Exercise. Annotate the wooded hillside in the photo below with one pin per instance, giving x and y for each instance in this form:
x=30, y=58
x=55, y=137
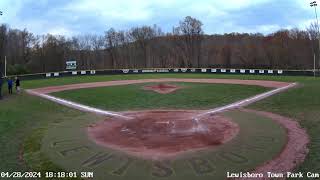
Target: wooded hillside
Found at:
x=149, y=47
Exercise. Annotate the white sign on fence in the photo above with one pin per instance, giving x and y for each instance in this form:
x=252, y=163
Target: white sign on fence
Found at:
x=203, y=70
x=261, y=71
x=242, y=71
x=223, y=70
x=144, y=71
x=213, y=70
x=71, y=65
x=92, y=72
x=184, y=70
x=83, y=72
x=126, y=71
x=232, y=70
x=280, y=71
x=270, y=71
x=48, y=74
x=162, y=70
x=56, y=74
x=74, y=72
x=252, y=71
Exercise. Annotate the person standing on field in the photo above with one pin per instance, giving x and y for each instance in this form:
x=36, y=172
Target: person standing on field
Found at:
x=10, y=84
x=17, y=84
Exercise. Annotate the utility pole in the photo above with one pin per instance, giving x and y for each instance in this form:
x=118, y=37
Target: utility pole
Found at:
x=314, y=4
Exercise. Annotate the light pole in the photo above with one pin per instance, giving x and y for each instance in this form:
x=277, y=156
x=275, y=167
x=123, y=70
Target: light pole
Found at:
x=5, y=59
x=314, y=4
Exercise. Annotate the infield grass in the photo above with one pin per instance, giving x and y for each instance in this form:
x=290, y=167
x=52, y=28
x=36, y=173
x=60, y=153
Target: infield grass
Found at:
x=133, y=97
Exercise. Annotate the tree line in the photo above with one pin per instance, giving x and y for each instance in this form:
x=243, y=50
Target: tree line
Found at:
x=149, y=47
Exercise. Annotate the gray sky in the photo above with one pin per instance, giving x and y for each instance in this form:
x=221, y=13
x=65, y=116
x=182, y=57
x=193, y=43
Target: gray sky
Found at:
x=73, y=17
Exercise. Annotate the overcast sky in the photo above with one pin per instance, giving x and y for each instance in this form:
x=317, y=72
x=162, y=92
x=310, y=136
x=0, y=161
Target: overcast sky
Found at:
x=73, y=17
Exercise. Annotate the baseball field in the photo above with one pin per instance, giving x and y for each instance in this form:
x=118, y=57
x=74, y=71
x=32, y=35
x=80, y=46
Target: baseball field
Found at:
x=161, y=126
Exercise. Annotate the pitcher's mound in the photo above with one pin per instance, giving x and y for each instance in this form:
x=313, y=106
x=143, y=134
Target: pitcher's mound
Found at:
x=162, y=134
x=162, y=88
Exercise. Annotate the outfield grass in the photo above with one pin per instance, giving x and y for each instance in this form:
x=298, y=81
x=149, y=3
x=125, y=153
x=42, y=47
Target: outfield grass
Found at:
x=20, y=114
x=133, y=97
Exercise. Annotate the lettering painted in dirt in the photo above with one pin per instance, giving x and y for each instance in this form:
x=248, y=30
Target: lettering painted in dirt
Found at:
x=158, y=169
x=72, y=148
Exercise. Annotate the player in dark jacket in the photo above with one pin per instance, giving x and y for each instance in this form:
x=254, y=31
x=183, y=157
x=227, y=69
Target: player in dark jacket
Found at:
x=17, y=84
x=10, y=85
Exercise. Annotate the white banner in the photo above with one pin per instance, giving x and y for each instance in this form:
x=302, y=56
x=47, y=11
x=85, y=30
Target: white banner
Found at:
x=148, y=71
x=162, y=70
x=126, y=71
x=184, y=69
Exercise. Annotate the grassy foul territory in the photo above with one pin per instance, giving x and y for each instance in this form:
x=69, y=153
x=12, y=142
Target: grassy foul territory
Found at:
x=247, y=101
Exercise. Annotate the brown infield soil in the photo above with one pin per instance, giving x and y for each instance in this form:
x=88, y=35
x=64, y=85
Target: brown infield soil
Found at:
x=166, y=134
x=162, y=134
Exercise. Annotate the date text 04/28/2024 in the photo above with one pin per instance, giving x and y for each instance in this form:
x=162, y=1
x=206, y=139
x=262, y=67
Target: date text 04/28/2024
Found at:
x=18, y=174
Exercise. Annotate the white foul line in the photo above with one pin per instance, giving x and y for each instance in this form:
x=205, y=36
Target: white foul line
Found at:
x=213, y=111
x=246, y=102
x=76, y=105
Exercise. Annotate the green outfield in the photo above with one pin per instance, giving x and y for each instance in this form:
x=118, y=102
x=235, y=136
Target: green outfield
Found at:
x=33, y=129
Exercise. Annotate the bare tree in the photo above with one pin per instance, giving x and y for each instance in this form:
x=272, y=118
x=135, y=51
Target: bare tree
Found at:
x=148, y=46
x=142, y=36
x=191, y=31
x=112, y=42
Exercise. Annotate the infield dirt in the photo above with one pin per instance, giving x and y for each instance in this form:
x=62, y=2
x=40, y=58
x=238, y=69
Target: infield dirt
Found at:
x=162, y=134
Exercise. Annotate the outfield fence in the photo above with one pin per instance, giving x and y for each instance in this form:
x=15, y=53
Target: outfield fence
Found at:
x=271, y=72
